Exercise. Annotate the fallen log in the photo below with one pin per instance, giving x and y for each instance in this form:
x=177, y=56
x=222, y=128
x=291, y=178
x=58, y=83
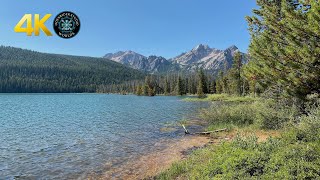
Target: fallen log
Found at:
x=202, y=133
x=209, y=132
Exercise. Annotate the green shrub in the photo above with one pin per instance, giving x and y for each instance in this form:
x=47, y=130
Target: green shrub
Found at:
x=294, y=161
x=229, y=114
x=295, y=155
x=271, y=115
x=308, y=129
x=224, y=98
x=264, y=114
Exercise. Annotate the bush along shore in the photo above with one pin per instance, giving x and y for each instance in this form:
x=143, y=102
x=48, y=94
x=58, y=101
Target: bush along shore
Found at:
x=276, y=91
x=293, y=152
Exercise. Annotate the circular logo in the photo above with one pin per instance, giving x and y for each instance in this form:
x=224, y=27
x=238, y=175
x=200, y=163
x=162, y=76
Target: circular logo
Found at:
x=66, y=24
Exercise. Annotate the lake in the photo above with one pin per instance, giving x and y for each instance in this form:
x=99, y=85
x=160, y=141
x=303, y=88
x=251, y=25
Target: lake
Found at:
x=63, y=136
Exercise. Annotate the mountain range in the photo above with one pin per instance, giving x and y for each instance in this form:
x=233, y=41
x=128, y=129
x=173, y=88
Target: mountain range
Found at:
x=201, y=56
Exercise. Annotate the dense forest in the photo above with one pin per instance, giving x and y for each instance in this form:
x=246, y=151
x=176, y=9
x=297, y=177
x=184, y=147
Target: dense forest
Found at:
x=24, y=71
x=168, y=84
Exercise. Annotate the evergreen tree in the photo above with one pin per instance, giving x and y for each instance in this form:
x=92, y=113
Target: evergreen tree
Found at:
x=285, y=46
x=179, y=87
x=200, y=92
x=203, y=81
x=150, y=87
x=219, y=83
x=139, y=91
x=225, y=84
x=235, y=74
x=245, y=86
x=213, y=87
x=145, y=90
x=151, y=91
x=166, y=86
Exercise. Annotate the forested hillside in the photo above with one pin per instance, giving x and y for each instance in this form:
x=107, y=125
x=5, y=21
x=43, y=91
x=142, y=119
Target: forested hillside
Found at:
x=24, y=71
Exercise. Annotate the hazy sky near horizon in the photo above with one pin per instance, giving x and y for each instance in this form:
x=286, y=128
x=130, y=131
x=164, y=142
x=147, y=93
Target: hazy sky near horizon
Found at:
x=149, y=27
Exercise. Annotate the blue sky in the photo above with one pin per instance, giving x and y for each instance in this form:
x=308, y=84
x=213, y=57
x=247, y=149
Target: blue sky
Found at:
x=149, y=27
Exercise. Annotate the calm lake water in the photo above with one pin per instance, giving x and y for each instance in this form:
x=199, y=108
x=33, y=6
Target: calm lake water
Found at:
x=63, y=136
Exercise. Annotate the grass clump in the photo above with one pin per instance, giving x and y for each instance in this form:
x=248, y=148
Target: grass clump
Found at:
x=261, y=114
x=224, y=98
x=230, y=98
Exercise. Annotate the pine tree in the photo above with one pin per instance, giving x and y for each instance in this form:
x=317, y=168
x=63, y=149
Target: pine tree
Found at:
x=150, y=86
x=225, y=84
x=203, y=80
x=151, y=91
x=235, y=74
x=219, y=84
x=166, y=86
x=285, y=46
x=213, y=87
x=200, y=92
x=139, y=90
x=179, y=87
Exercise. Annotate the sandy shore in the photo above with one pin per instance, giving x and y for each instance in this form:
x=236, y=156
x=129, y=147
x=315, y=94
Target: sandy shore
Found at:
x=151, y=164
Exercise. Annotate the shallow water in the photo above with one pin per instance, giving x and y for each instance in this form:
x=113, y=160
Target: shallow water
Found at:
x=63, y=136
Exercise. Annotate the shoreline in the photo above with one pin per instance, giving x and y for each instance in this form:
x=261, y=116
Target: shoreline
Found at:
x=153, y=163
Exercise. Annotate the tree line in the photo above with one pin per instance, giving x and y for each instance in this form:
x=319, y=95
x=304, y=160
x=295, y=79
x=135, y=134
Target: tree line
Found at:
x=24, y=71
x=200, y=83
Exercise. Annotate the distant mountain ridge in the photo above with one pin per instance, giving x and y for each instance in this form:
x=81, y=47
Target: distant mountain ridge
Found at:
x=140, y=62
x=201, y=56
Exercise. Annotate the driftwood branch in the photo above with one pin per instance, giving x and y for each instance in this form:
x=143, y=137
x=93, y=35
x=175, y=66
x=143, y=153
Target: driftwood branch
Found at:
x=209, y=132
x=185, y=130
x=202, y=133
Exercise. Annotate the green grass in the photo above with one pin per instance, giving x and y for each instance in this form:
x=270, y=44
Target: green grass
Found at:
x=223, y=97
x=293, y=155
x=262, y=114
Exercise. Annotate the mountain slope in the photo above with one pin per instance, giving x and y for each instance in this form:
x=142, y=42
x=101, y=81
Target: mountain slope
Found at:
x=29, y=71
x=201, y=56
x=199, y=52
x=129, y=58
x=204, y=57
x=137, y=61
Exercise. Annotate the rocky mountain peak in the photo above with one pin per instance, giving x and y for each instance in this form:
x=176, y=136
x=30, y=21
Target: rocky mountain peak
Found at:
x=201, y=56
x=233, y=48
x=201, y=47
x=131, y=52
x=125, y=57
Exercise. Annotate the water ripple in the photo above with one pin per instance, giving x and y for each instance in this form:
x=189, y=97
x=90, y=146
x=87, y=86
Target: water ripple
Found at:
x=62, y=136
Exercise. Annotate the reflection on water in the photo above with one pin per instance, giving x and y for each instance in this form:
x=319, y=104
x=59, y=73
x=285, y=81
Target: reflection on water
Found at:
x=62, y=136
